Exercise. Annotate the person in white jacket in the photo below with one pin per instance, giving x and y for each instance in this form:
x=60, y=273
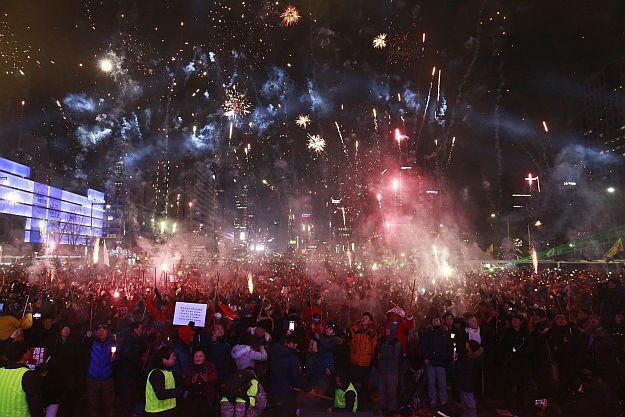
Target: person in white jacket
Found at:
x=245, y=355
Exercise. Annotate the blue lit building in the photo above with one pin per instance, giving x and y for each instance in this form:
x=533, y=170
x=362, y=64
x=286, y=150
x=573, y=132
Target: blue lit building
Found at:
x=51, y=214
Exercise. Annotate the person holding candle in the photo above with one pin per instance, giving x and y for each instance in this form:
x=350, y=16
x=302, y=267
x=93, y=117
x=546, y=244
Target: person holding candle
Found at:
x=100, y=386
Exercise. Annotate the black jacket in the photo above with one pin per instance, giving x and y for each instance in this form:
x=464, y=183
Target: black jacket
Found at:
x=285, y=373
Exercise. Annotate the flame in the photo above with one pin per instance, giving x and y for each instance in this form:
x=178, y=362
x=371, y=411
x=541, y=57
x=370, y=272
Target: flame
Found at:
x=250, y=283
x=535, y=260
x=96, y=251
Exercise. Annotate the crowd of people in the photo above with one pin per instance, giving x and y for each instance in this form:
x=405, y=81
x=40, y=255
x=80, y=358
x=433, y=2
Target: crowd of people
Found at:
x=513, y=342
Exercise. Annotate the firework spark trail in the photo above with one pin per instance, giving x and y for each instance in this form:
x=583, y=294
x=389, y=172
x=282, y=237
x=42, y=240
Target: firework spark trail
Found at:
x=375, y=119
x=341, y=136
x=425, y=111
x=467, y=74
x=451, y=151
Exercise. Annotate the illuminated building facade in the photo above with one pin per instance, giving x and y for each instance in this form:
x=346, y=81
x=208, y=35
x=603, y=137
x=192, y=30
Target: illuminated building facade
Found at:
x=51, y=214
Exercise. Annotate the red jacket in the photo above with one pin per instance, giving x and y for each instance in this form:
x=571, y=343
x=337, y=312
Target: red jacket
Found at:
x=403, y=327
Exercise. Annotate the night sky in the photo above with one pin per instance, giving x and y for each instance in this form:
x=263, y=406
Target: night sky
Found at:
x=505, y=67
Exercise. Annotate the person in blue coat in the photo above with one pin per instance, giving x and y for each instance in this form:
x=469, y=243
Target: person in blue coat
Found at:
x=286, y=376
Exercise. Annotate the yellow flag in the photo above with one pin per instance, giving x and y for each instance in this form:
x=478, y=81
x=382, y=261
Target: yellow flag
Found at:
x=616, y=248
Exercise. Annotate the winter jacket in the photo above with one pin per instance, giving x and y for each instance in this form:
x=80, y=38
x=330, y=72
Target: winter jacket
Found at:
x=205, y=376
x=219, y=355
x=401, y=331
x=245, y=357
x=466, y=369
x=362, y=346
x=100, y=365
x=9, y=324
x=389, y=352
x=285, y=373
x=436, y=347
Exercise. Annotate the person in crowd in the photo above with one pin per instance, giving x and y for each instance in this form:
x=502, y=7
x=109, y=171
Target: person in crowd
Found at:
x=100, y=385
x=61, y=385
x=286, y=376
x=200, y=379
x=465, y=372
x=323, y=362
x=345, y=394
x=514, y=349
x=248, y=351
x=243, y=396
x=128, y=372
x=43, y=332
x=9, y=324
x=160, y=388
x=219, y=352
x=20, y=388
x=388, y=360
x=437, y=351
x=363, y=340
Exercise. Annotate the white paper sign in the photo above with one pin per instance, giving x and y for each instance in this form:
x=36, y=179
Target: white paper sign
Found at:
x=186, y=312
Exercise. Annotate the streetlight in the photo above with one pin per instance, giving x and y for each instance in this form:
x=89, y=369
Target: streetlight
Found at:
x=493, y=215
x=611, y=190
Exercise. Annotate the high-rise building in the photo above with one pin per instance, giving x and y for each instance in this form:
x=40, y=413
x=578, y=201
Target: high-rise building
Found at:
x=241, y=212
x=604, y=108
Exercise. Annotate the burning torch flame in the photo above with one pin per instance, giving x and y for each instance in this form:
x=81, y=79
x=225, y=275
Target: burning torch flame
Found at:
x=250, y=283
x=535, y=260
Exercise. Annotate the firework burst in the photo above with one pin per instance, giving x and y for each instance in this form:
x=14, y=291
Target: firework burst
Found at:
x=290, y=16
x=379, y=42
x=303, y=120
x=236, y=104
x=316, y=143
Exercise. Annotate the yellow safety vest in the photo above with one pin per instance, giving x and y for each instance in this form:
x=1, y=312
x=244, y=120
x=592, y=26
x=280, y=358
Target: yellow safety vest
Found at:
x=152, y=403
x=252, y=392
x=339, y=397
x=12, y=396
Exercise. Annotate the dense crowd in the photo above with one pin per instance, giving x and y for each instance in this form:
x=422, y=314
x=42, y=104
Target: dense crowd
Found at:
x=551, y=343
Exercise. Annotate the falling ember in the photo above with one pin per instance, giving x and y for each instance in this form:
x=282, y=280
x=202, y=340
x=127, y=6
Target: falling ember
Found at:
x=545, y=127
x=423, y=37
x=116, y=294
x=379, y=42
x=535, y=260
x=230, y=132
x=194, y=130
x=316, y=143
x=433, y=71
x=303, y=120
x=398, y=96
x=290, y=16
x=250, y=283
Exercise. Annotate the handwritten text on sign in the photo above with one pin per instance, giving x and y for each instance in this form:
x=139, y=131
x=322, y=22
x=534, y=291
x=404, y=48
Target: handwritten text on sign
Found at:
x=186, y=312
